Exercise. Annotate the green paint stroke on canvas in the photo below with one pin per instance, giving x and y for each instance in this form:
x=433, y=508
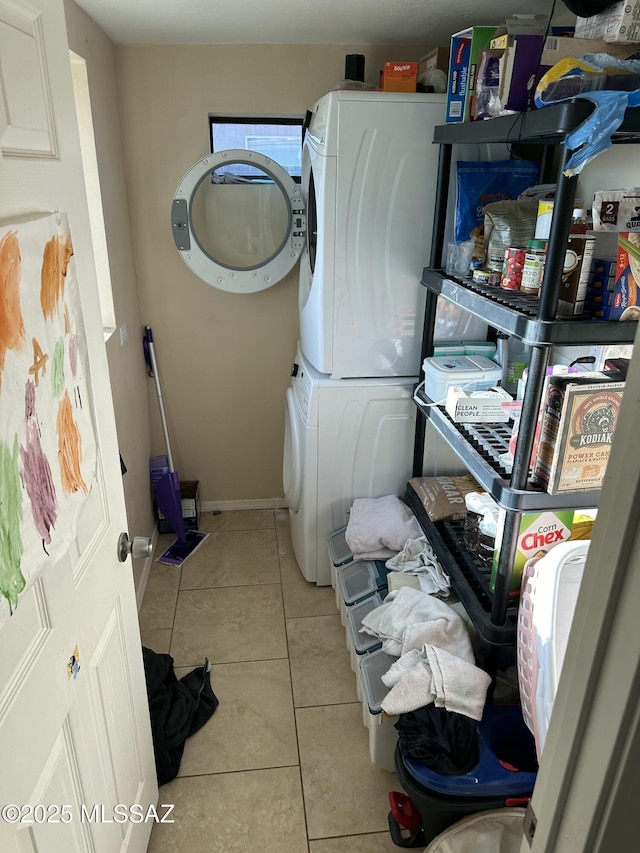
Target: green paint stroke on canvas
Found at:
x=57, y=371
x=11, y=548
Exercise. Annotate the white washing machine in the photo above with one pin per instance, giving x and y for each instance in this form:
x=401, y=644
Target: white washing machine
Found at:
x=346, y=439
x=369, y=171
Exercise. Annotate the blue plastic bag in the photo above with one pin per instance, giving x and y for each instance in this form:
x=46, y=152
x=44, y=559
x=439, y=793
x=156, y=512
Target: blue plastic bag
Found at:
x=480, y=184
x=594, y=134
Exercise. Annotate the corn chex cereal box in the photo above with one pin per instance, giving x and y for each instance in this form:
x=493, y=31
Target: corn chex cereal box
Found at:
x=538, y=533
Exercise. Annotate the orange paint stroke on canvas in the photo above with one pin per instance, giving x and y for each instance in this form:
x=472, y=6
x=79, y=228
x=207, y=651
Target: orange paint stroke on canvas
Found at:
x=55, y=260
x=69, y=448
x=12, y=331
x=40, y=359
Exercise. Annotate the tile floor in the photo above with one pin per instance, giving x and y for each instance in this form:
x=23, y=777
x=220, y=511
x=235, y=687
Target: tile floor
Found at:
x=283, y=765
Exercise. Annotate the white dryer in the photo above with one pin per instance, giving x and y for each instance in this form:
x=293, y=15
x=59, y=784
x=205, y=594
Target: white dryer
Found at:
x=345, y=439
x=369, y=171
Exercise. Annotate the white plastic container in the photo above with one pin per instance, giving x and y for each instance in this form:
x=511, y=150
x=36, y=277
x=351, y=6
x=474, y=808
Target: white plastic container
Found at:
x=356, y=581
x=339, y=552
x=470, y=372
x=383, y=736
x=358, y=641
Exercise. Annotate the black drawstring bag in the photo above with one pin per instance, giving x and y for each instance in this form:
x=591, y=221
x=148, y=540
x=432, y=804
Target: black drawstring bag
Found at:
x=177, y=708
x=443, y=740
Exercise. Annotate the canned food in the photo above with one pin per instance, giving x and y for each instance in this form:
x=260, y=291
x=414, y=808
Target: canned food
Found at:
x=486, y=277
x=512, y=268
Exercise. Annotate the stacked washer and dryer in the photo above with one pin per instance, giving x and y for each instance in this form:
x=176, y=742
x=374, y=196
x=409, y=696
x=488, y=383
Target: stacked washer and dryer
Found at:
x=369, y=172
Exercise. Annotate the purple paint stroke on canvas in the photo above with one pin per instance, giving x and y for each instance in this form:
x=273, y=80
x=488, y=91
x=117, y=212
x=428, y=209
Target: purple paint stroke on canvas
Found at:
x=36, y=474
x=73, y=354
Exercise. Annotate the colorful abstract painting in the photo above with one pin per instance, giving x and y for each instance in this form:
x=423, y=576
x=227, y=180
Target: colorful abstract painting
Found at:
x=47, y=439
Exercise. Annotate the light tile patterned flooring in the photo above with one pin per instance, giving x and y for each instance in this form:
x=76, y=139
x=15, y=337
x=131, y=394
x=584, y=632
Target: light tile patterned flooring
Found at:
x=283, y=765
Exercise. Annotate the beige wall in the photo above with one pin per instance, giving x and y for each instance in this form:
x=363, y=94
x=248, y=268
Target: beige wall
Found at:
x=126, y=363
x=224, y=359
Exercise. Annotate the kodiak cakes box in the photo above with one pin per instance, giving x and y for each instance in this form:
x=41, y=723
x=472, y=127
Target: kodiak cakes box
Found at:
x=578, y=423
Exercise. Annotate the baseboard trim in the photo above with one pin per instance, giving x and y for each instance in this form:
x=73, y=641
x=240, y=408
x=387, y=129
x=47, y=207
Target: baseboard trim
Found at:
x=146, y=571
x=257, y=503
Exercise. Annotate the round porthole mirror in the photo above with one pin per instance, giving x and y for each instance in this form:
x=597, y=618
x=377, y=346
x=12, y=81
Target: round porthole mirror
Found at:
x=238, y=221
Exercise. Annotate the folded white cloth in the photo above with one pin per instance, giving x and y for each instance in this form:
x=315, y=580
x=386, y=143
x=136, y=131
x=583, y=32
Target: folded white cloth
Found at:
x=422, y=618
x=430, y=674
x=418, y=558
x=376, y=523
x=459, y=686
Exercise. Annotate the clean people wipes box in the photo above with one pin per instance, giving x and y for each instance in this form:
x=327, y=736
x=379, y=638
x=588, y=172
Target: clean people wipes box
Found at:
x=477, y=406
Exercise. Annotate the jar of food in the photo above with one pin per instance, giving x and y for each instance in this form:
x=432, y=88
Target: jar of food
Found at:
x=533, y=268
x=512, y=268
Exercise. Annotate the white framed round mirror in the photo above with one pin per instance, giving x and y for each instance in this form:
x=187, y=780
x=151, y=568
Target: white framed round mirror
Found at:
x=238, y=221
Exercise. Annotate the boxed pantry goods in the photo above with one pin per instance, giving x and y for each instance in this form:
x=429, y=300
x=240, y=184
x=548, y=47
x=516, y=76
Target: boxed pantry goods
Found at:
x=399, y=77
x=624, y=300
x=537, y=534
x=473, y=407
x=617, y=209
x=619, y=22
x=464, y=56
x=578, y=422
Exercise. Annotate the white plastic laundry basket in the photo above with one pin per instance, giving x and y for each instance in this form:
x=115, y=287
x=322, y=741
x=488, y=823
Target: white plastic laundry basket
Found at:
x=550, y=586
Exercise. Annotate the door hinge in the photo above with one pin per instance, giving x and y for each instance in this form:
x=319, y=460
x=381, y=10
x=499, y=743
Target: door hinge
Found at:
x=530, y=823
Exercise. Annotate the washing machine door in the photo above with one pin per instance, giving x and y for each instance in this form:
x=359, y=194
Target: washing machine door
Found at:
x=239, y=229
x=292, y=458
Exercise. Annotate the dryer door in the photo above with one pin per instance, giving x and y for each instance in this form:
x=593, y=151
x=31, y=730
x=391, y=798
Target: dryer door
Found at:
x=238, y=221
x=292, y=459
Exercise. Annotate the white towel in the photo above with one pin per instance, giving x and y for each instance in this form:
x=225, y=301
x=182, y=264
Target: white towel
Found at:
x=459, y=686
x=377, y=523
x=421, y=677
x=423, y=618
x=418, y=558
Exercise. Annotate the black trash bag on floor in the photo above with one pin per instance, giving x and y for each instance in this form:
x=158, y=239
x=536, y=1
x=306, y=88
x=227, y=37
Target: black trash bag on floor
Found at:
x=177, y=708
x=443, y=740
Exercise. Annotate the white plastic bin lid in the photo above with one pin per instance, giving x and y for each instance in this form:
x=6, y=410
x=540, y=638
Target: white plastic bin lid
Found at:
x=372, y=668
x=339, y=551
x=462, y=366
x=362, y=642
x=358, y=580
x=547, y=604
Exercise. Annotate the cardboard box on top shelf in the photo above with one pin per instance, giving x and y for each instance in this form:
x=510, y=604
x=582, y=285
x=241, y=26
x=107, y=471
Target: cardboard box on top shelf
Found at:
x=519, y=71
x=557, y=48
x=619, y=23
x=438, y=57
x=464, y=55
x=399, y=77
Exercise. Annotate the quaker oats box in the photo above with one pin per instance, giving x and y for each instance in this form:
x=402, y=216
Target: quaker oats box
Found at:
x=578, y=425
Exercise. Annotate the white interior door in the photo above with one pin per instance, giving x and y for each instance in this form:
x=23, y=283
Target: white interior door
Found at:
x=67, y=741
